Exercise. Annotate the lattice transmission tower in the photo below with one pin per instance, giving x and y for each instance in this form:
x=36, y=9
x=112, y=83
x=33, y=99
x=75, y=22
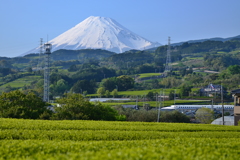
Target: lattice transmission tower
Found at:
x=39, y=67
x=168, y=65
x=47, y=47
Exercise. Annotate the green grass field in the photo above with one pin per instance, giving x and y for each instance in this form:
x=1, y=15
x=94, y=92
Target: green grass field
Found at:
x=154, y=103
x=144, y=75
x=139, y=93
x=143, y=93
x=20, y=82
x=42, y=139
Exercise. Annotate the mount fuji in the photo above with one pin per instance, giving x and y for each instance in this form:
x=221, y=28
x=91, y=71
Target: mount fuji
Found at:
x=99, y=33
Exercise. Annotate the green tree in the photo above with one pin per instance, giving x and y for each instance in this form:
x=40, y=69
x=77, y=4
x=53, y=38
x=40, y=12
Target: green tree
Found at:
x=115, y=93
x=75, y=106
x=174, y=116
x=185, y=90
x=107, y=93
x=125, y=82
x=60, y=87
x=29, y=69
x=137, y=115
x=84, y=85
x=155, y=84
x=170, y=82
x=235, y=69
x=16, y=104
x=150, y=95
x=101, y=91
x=171, y=95
x=109, y=83
x=85, y=93
x=5, y=64
x=204, y=115
x=8, y=88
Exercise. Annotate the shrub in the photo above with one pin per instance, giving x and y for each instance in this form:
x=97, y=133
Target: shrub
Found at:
x=75, y=106
x=16, y=104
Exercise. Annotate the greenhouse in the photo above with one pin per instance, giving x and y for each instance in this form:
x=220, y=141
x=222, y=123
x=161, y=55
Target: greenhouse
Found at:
x=228, y=120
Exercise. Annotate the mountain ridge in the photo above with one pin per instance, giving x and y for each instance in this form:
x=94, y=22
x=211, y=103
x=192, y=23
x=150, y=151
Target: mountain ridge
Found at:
x=207, y=39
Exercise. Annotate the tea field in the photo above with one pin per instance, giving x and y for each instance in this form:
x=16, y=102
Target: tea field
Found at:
x=41, y=139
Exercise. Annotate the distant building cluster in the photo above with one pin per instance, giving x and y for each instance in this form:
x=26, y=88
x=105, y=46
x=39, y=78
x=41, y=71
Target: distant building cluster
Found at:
x=211, y=90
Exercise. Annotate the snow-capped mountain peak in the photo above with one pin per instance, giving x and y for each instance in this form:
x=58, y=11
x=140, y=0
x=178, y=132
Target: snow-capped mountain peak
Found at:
x=99, y=33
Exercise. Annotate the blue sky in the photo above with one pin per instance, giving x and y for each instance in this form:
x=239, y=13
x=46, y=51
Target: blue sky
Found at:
x=24, y=22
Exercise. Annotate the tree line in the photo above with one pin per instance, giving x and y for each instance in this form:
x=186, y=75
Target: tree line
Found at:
x=16, y=104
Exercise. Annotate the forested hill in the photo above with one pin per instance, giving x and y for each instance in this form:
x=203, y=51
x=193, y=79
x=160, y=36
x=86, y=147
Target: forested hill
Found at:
x=221, y=53
x=211, y=39
x=88, y=70
x=208, y=46
x=226, y=53
x=81, y=55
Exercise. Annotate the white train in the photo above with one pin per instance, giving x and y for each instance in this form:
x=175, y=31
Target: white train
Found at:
x=195, y=107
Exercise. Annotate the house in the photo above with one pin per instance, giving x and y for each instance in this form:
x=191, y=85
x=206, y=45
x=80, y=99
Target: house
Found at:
x=236, y=96
x=211, y=90
x=130, y=106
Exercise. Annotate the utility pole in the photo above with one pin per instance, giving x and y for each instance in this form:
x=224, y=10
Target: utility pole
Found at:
x=159, y=108
x=47, y=47
x=222, y=105
x=137, y=102
x=163, y=98
x=212, y=104
x=174, y=96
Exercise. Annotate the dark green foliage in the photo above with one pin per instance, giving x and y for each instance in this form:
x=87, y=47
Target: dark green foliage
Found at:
x=151, y=95
x=174, y=116
x=207, y=46
x=194, y=78
x=83, y=55
x=60, y=87
x=6, y=71
x=125, y=82
x=137, y=115
x=84, y=85
x=170, y=82
x=219, y=62
x=109, y=83
x=91, y=65
x=146, y=68
x=121, y=83
x=65, y=64
x=151, y=115
x=155, y=84
x=29, y=69
x=185, y=90
x=171, y=95
x=55, y=77
x=5, y=64
x=130, y=58
x=15, y=104
x=235, y=69
x=94, y=74
x=75, y=106
x=161, y=53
